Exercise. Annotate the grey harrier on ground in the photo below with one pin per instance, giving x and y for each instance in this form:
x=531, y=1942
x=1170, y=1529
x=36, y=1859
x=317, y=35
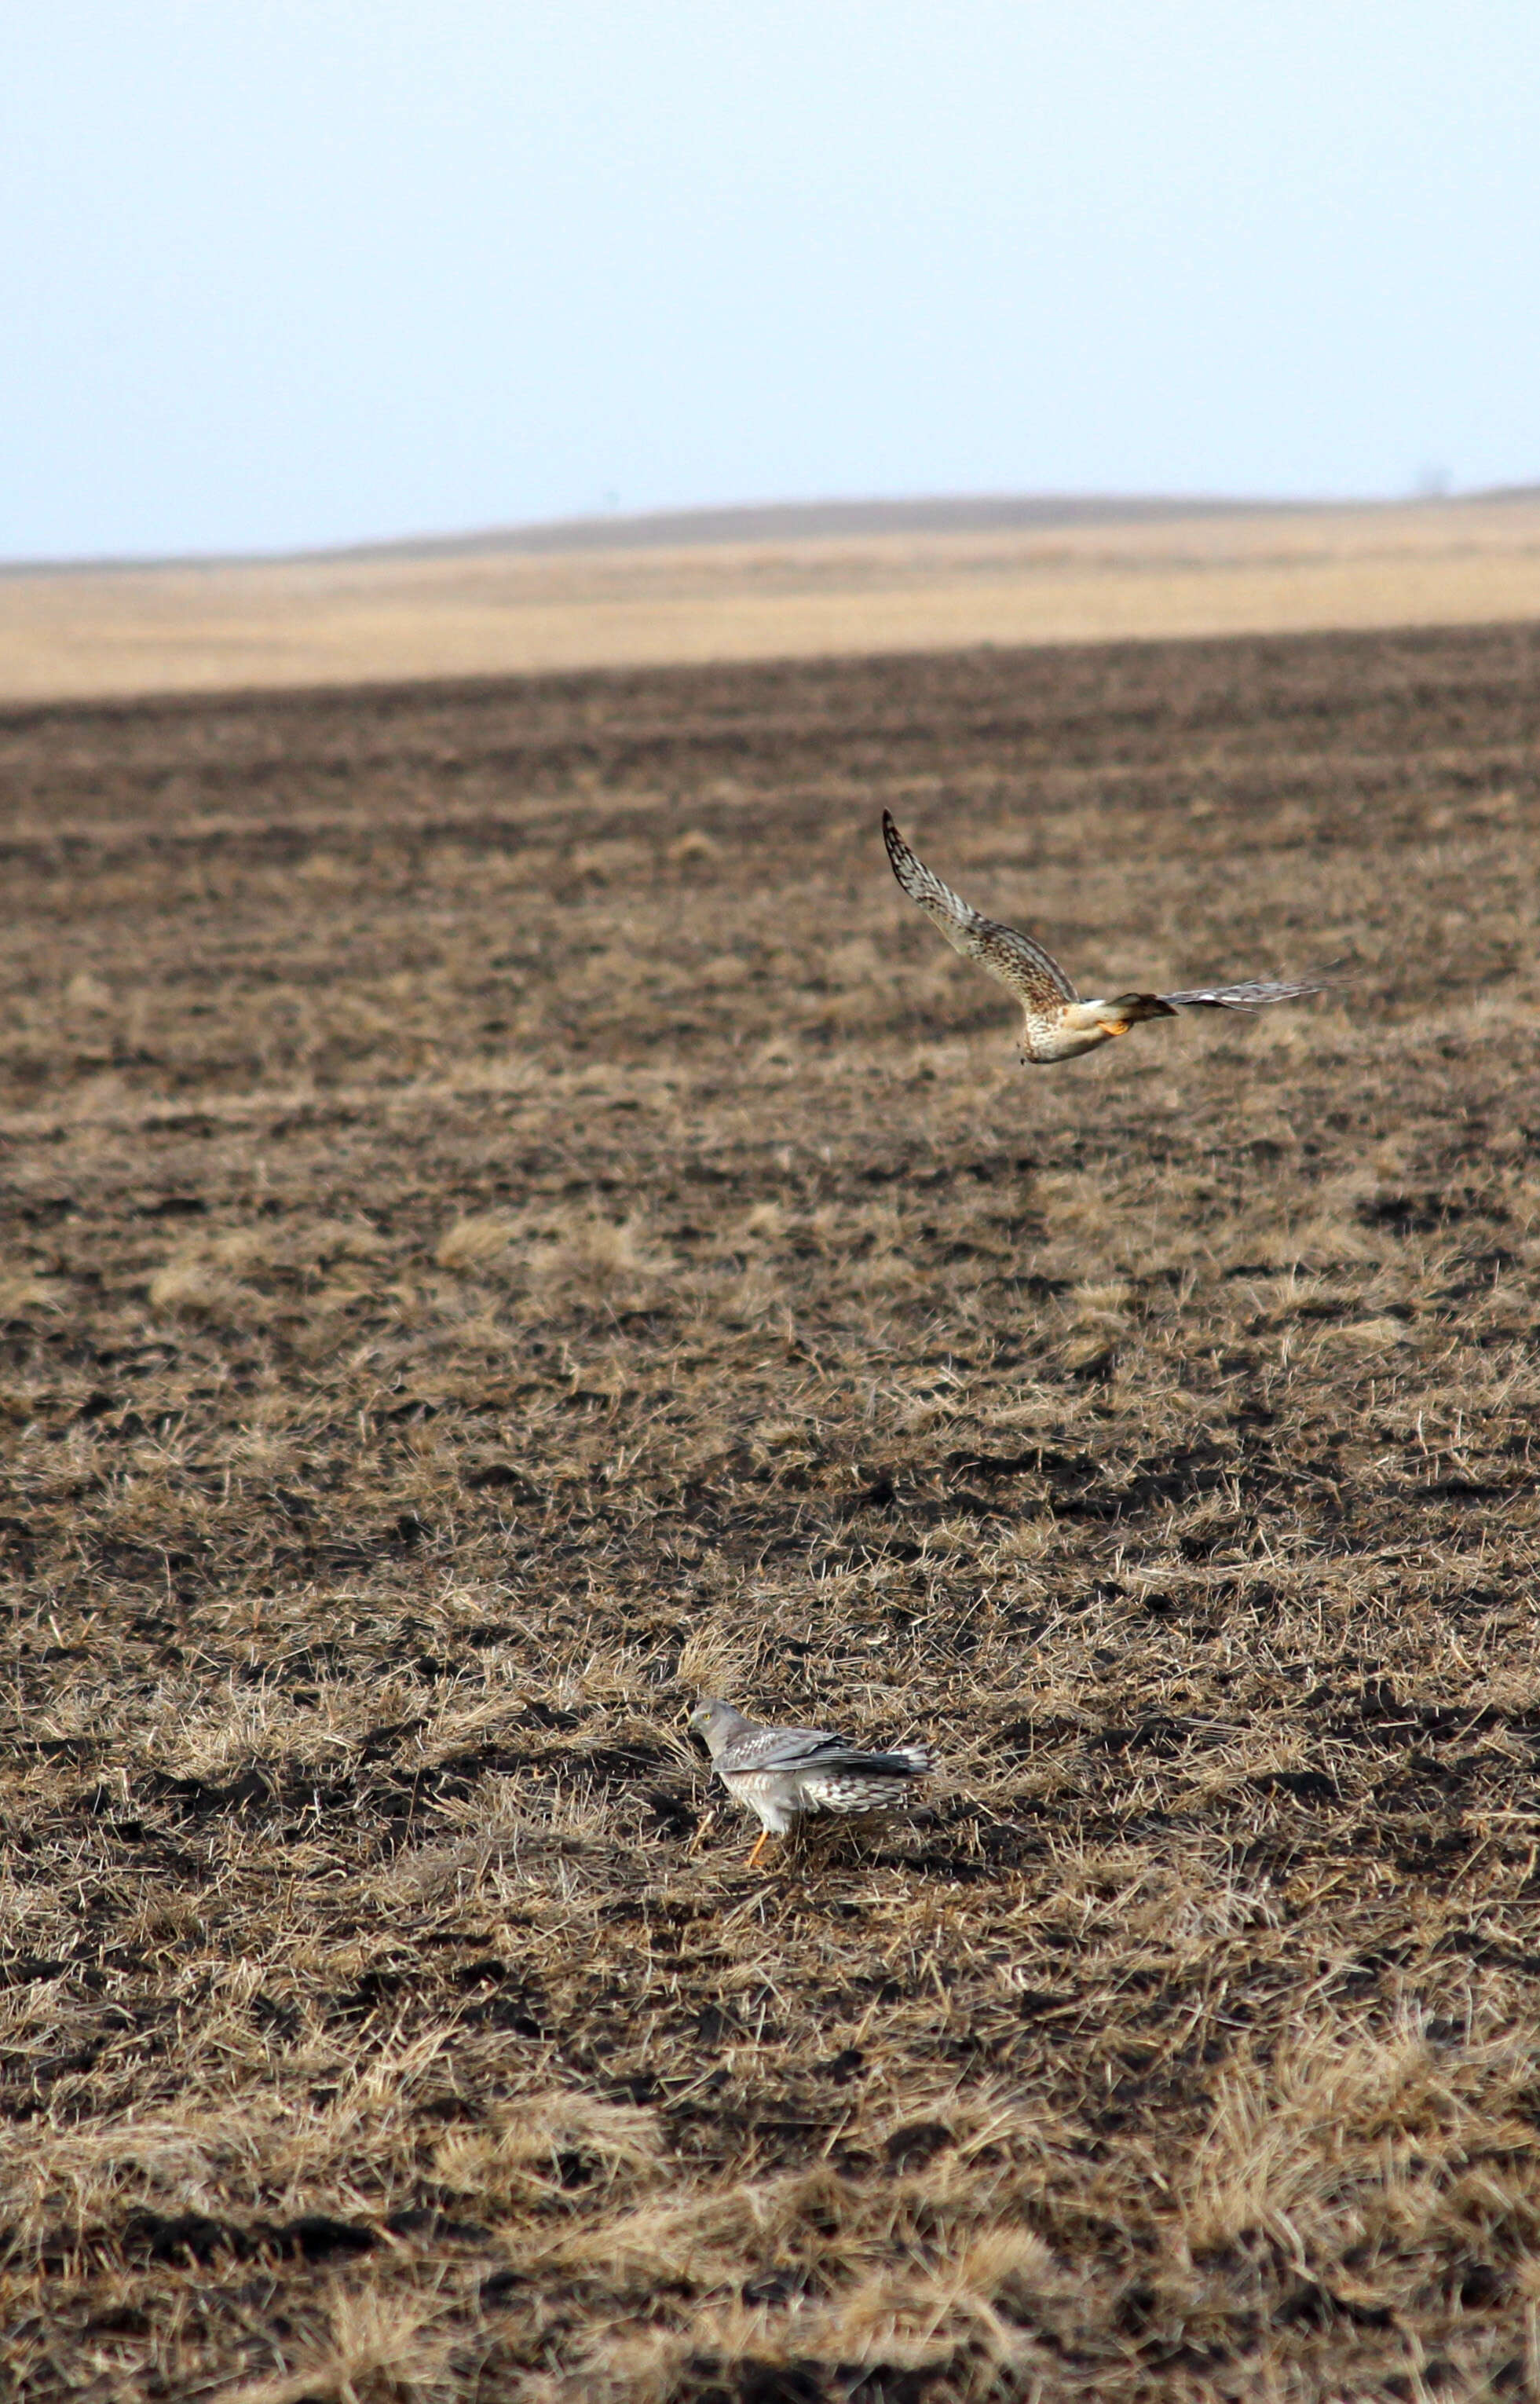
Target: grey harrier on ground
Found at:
x=781, y=1772
x=1055, y=1023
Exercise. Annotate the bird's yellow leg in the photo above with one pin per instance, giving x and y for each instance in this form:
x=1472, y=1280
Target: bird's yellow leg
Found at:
x=760, y=1844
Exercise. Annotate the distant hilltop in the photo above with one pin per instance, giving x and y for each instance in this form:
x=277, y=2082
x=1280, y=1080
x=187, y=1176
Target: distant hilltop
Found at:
x=810, y=520
x=758, y=522
x=791, y=522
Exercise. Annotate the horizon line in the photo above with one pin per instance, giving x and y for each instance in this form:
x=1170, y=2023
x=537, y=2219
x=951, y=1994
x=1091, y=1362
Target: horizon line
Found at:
x=710, y=522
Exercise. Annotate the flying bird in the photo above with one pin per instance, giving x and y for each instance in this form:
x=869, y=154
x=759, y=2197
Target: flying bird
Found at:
x=781, y=1772
x=1056, y=1024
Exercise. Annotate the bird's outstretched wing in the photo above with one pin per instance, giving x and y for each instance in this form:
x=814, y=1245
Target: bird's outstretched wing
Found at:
x=1252, y=993
x=1035, y=978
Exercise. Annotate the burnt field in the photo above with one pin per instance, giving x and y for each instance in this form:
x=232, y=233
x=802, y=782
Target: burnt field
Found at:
x=512, y=1223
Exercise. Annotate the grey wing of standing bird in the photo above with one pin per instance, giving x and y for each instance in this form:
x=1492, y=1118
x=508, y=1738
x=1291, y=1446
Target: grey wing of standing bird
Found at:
x=781, y=1773
x=1056, y=1025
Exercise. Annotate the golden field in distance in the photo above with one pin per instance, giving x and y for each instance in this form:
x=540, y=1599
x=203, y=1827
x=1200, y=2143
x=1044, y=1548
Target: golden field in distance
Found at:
x=907, y=578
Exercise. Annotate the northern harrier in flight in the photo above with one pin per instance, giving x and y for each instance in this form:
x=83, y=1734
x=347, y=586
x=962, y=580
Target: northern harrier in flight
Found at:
x=1056, y=1024
x=781, y=1772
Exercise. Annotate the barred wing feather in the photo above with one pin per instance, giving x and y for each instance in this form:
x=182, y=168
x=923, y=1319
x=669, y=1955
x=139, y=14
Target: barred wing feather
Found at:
x=1029, y=971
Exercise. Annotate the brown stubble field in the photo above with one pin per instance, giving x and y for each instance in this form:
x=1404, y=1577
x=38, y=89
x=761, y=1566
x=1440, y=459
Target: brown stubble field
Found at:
x=512, y=1223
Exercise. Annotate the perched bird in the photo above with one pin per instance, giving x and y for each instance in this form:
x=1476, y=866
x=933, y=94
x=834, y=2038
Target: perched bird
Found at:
x=781, y=1772
x=1056, y=1024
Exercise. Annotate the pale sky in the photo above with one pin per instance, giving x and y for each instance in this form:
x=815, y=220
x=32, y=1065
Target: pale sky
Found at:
x=289, y=272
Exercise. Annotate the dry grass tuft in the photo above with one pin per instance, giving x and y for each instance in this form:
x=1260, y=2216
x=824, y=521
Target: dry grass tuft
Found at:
x=596, y=1257
x=368, y=2349
x=475, y=1242
x=21, y=1294
x=189, y=1286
